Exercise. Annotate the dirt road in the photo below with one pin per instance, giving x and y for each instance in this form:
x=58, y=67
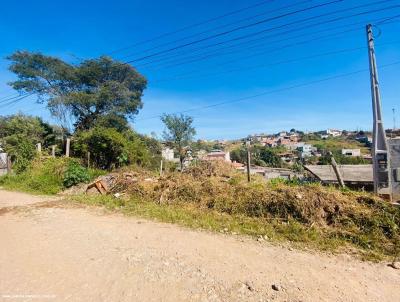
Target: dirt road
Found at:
x=61, y=253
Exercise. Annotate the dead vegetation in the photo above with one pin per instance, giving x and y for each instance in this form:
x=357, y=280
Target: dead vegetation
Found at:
x=357, y=218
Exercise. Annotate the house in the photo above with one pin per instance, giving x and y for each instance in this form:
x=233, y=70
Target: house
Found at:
x=351, y=152
x=288, y=157
x=305, y=150
x=334, y=132
x=167, y=153
x=237, y=165
x=218, y=155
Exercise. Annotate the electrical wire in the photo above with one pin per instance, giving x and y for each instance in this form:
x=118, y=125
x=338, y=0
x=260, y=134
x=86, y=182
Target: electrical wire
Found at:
x=216, y=28
x=191, y=26
x=272, y=91
x=346, y=50
x=279, y=34
x=236, y=29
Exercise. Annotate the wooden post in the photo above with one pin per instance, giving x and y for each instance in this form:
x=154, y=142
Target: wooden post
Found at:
x=68, y=144
x=161, y=167
x=337, y=171
x=53, y=150
x=8, y=164
x=39, y=148
x=248, y=160
x=88, y=159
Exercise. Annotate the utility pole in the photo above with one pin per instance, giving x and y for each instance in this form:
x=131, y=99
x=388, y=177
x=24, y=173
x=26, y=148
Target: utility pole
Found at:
x=380, y=150
x=394, y=119
x=248, y=159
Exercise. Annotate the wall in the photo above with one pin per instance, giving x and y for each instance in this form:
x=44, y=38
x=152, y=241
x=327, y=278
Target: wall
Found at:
x=394, y=145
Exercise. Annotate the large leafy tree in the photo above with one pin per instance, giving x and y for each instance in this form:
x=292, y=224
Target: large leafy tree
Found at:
x=95, y=91
x=179, y=132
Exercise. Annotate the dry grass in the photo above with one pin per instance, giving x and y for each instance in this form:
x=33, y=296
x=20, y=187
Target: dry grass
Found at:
x=312, y=214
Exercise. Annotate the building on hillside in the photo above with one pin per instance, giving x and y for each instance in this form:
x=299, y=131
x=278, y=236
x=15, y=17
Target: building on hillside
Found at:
x=282, y=134
x=288, y=157
x=306, y=150
x=237, y=165
x=201, y=154
x=218, y=155
x=270, y=142
x=351, y=152
x=334, y=132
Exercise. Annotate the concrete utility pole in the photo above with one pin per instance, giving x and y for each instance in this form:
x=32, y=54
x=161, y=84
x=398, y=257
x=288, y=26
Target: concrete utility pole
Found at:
x=394, y=119
x=380, y=150
x=248, y=159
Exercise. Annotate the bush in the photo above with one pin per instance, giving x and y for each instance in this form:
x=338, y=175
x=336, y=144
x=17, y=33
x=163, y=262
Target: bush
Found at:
x=48, y=176
x=18, y=136
x=111, y=149
x=75, y=174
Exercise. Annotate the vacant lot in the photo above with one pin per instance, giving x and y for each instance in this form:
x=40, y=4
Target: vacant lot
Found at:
x=56, y=252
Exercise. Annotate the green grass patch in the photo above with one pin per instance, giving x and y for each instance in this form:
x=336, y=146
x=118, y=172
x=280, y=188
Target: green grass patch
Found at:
x=48, y=176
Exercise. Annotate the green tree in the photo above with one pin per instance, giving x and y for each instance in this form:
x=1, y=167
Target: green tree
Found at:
x=110, y=148
x=97, y=90
x=179, y=132
x=18, y=136
x=270, y=157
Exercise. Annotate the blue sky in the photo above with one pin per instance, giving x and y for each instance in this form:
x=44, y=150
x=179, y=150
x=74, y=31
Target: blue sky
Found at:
x=73, y=30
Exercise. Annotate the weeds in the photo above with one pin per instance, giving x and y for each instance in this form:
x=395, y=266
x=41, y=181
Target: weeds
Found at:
x=48, y=176
x=306, y=214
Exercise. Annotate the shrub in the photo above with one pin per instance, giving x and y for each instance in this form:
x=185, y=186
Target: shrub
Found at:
x=18, y=135
x=111, y=149
x=49, y=176
x=75, y=174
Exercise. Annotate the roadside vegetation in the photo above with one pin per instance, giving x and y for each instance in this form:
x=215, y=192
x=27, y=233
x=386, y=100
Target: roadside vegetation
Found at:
x=49, y=176
x=101, y=95
x=214, y=197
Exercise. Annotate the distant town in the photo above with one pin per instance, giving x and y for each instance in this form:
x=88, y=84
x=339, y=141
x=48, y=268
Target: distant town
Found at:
x=286, y=154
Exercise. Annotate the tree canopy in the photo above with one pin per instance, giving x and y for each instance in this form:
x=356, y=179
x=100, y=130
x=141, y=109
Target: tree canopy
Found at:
x=179, y=132
x=18, y=135
x=95, y=91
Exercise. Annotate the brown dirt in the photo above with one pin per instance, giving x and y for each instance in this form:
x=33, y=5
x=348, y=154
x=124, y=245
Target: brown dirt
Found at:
x=80, y=254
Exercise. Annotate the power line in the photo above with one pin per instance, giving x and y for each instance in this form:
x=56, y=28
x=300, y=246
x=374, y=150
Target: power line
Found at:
x=282, y=26
x=272, y=91
x=11, y=97
x=192, y=26
x=273, y=64
x=216, y=28
x=236, y=29
x=276, y=49
x=16, y=100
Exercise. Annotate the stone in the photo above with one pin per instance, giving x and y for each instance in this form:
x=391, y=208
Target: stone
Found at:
x=276, y=287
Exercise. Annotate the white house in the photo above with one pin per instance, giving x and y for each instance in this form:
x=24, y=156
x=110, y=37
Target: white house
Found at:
x=351, y=152
x=167, y=153
x=334, y=132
